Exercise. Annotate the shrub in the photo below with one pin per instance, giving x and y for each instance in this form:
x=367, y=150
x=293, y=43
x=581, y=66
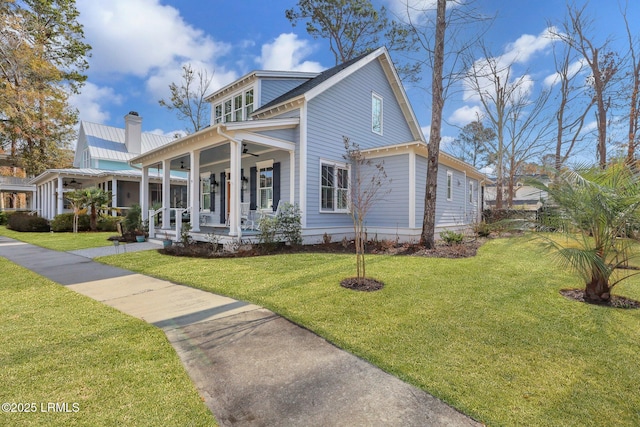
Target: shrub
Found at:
x=108, y=223
x=482, y=229
x=25, y=222
x=288, y=223
x=3, y=218
x=451, y=237
x=268, y=228
x=64, y=223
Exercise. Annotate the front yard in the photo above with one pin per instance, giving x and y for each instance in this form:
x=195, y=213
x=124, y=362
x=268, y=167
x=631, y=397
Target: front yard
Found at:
x=100, y=366
x=490, y=335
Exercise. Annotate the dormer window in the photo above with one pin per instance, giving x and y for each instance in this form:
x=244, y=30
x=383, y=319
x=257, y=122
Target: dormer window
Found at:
x=236, y=108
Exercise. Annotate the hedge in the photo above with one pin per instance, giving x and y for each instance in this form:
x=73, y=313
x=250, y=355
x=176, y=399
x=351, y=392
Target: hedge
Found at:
x=64, y=222
x=25, y=222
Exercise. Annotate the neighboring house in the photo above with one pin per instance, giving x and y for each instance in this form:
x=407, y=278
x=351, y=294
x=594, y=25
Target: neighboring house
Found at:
x=526, y=196
x=278, y=137
x=15, y=191
x=102, y=160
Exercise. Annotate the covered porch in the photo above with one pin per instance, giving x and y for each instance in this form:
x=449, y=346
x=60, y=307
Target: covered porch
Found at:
x=234, y=175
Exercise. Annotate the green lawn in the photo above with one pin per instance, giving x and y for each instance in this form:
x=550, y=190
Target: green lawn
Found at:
x=490, y=335
x=58, y=346
x=62, y=241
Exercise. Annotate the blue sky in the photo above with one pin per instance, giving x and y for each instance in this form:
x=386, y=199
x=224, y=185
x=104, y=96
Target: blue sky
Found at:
x=139, y=47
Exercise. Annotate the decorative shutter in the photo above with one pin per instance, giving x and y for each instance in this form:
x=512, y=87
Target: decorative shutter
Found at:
x=276, y=185
x=241, y=191
x=253, y=188
x=212, y=192
x=223, y=187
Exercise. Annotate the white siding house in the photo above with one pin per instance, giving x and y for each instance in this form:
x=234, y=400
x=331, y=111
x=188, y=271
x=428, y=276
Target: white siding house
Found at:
x=102, y=160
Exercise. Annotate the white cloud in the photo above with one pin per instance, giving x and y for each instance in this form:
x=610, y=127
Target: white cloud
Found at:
x=574, y=68
x=134, y=37
x=286, y=53
x=465, y=115
x=91, y=101
x=159, y=81
x=526, y=46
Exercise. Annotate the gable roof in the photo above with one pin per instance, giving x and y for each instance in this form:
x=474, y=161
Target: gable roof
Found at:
x=108, y=142
x=332, y=76
x=308, y=85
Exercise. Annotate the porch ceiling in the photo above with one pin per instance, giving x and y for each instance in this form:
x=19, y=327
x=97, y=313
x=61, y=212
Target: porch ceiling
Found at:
x=214, y=136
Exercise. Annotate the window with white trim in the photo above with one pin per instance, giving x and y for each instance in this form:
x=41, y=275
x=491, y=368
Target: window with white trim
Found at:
x=376, y=114
x=470, y=191
x=334, y=187
x=265, y=185
x=205, y=192
x=236, y=108
x=449, y=185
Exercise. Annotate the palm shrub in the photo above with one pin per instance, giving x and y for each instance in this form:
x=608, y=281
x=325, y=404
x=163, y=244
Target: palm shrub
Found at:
x=95, y=199
x=596, y=209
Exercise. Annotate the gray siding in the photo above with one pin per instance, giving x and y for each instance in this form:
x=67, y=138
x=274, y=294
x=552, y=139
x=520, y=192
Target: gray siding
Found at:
x=391, y=207
x=449, y=213
x=345, y=110
x=273, y=88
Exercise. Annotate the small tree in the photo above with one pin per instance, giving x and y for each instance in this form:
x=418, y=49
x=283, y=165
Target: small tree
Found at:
x=188, y=98
x=76, y=199
x=367, y=179
x=94, y=199
x=597, y=209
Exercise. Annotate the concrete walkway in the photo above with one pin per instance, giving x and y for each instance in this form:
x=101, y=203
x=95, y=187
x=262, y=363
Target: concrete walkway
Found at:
x=252, y=367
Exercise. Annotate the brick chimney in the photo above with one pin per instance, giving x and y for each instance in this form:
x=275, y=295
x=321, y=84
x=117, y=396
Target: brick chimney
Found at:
x=133, y=132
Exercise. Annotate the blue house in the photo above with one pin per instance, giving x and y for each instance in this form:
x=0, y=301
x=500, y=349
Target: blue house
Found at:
x=278, y=137
x=102, y=160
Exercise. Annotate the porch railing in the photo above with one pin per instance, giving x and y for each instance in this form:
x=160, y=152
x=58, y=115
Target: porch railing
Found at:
x=153, y=213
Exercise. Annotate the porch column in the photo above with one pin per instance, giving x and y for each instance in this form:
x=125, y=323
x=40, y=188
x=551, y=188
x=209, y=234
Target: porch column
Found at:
x=114, y=196
x=234, y=181
x=292, y=177
x=50, y=200
x=166, y=193
x=60, y=196
x=144, y=193
x=194, y=181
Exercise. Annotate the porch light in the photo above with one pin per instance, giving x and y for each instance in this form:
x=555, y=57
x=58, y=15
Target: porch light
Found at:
x=214, y=183
x=245, y=180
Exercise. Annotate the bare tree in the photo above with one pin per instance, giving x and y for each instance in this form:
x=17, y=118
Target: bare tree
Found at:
x=577, y=32
x=443, y=43
x=514, y=114
x=634, y=91
x=188, y=99
x=572, y=109
x=367, y=179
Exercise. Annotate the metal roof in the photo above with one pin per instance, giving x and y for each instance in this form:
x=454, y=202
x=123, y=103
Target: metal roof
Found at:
x=107, y=142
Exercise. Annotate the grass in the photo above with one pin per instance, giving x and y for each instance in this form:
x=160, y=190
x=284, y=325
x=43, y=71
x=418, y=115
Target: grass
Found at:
x=490, y=335
x=61, y=241
x=58, y=346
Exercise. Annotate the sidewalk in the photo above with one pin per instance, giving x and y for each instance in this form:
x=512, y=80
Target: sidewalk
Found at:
x=251, y=366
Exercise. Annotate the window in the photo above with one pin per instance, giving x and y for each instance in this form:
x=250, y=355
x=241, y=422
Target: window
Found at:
x=227, y=111
x=334, y=188
x=449, y=185
x=470, y=191
x=217, y=118
x=86, y=159
x=265, y=185
x=205, y=193
x=376, y=114
x=248, y=103
x=237, y=108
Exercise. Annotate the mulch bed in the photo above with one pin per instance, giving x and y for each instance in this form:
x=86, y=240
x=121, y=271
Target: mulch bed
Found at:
x=366, y=284
x=615, y=301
